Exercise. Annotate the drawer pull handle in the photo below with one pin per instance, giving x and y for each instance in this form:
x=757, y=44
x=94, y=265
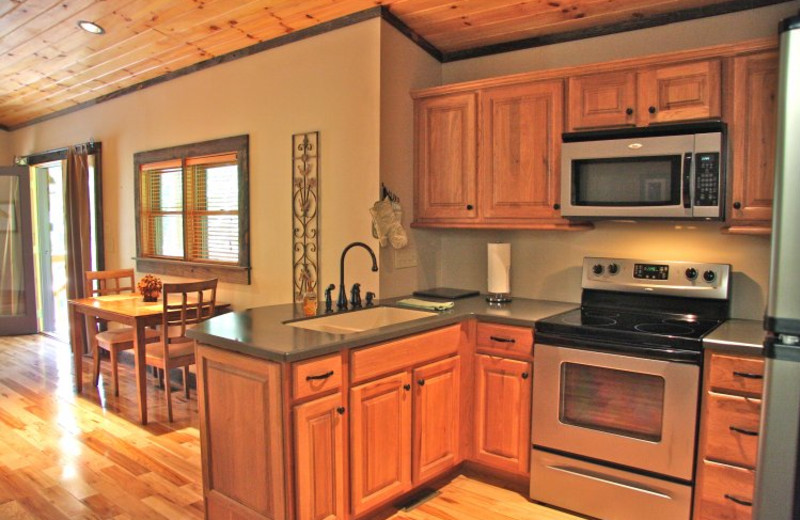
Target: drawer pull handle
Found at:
x=743, y=431
x=748, y=375
x=502, y=340
x=739, y=501
x=326, y=375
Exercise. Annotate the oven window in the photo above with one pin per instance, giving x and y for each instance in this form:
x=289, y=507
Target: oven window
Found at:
x=614, y=401
x=627, y=181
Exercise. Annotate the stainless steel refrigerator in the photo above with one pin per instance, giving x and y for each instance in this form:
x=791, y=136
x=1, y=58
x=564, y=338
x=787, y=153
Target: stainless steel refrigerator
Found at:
x=777, y=495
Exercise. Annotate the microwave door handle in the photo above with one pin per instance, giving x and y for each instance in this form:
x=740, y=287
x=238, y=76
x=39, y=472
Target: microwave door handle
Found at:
x=687, y=180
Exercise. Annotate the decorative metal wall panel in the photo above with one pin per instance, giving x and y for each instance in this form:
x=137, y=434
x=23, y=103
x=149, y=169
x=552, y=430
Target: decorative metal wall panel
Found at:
x=305, y=213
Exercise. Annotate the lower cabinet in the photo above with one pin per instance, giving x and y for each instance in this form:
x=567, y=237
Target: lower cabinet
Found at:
x=502, y=413
x=380, y=440
x=243, y=465
x=320, y=458
x=404, y=430
x=729, y=433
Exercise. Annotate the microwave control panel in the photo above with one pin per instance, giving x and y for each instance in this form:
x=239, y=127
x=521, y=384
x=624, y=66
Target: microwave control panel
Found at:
x=706, y=189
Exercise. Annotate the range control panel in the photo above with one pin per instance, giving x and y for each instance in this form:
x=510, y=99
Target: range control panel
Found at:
x=674, y=278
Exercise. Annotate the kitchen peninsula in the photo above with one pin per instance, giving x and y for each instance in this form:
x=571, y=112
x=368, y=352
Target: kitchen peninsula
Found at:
x=282, y=408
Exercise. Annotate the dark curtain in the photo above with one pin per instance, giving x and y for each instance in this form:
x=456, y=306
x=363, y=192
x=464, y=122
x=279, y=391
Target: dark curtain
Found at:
x=78, y=219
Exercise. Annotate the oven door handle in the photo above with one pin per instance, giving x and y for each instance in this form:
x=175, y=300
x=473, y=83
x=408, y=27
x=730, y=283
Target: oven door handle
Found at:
x=608, y=480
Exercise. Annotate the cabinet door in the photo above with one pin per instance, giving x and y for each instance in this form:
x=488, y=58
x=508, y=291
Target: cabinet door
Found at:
x=679, y=92
x=319, y=458
x=598, y=100
x=521, y=127
x=753, y=135
x=380, y=440
x=243, y=391
x=436, y=418
x=502, y=413
x=446, y=157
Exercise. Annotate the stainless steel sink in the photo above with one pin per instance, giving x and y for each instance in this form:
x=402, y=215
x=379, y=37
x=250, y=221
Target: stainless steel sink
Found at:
x=361, y=320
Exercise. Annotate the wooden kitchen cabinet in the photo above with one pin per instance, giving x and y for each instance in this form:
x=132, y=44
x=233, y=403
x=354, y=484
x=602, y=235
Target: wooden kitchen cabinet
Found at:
x=641, y=97
x=436, y=428
x=320, y=458
x=243, y=466
x=753, y=138
x=446, y=152
x=727, y=454
x=521, y=129
x=502, y=413
x=380, y=440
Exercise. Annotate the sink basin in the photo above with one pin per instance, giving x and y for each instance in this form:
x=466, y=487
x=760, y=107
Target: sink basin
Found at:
x=361, y=320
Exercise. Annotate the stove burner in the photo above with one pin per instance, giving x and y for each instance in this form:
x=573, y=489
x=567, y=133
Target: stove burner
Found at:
x=667, y=327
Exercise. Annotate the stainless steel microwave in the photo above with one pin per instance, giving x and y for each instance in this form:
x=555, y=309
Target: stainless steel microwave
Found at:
x=666, y=172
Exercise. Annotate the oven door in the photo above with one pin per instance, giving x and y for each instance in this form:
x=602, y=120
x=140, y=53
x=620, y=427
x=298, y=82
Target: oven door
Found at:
x=636, y=412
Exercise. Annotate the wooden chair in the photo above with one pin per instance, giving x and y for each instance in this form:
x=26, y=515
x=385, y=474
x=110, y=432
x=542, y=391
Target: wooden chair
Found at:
x=106, y=283
x=184, y=304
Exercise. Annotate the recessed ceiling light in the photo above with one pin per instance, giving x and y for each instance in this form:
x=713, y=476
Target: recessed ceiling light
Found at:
x=91, y=27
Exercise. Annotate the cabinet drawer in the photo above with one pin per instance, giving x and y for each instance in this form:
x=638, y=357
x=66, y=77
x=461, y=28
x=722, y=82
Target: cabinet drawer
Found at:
x=404, y=353
x=725, y=492
x=736, y=375
x=732, y=429
x=316, y=376
x=504, y=338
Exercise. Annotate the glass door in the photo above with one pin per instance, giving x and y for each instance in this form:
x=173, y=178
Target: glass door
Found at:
x=17, y=289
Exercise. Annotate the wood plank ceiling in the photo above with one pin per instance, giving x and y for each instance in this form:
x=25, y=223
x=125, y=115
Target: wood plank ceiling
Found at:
x=48, y=65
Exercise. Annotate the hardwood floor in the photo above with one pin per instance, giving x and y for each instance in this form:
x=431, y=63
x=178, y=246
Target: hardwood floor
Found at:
x=68, y=456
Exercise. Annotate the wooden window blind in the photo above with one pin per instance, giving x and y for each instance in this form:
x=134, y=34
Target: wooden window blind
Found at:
x=193, y=211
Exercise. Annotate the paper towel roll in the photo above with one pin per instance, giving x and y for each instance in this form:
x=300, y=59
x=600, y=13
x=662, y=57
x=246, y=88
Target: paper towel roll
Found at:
x=499, y=274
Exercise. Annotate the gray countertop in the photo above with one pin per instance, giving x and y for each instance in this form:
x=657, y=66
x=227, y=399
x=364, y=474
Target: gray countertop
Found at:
x=737, y=336
x=261, y=331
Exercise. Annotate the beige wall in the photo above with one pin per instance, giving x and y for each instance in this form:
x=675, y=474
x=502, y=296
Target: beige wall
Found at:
x=329, y=83
x=404, y=66
x=547, y=264
x=6, y=155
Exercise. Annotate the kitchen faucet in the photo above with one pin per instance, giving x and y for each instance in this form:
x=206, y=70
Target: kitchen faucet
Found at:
x=341, y=304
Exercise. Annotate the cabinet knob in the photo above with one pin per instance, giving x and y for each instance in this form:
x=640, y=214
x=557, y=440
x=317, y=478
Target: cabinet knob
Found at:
x=556, y=206
x=340, y=410
x=469, y=207
x=406, y=387
x=421, y=382
x=524, y=375
x=737, y=205
x=629, y=111
x=652, y=110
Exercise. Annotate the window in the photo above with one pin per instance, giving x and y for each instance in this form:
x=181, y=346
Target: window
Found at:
x=192, y=210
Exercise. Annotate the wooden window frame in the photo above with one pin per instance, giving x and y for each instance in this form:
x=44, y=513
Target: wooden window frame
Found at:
x=234, y=273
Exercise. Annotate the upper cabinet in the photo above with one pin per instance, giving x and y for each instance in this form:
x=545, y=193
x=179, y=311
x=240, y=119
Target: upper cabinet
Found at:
x=446, y=178
x=521, y=139
x=488, y=152
x=753, y=137
x=515, y=130
x=641, y=97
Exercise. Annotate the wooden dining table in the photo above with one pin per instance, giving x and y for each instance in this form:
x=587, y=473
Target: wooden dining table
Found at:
x=127, y=309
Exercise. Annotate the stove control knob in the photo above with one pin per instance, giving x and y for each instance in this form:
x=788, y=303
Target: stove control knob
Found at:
x=691, y=273
x=709, y=276
x=613, y=268
x=597, y=269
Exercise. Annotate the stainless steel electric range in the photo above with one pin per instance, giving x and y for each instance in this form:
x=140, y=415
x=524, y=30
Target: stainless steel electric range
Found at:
x=617, y=385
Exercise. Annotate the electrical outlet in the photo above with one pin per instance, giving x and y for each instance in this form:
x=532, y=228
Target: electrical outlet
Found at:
x=405, y=257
